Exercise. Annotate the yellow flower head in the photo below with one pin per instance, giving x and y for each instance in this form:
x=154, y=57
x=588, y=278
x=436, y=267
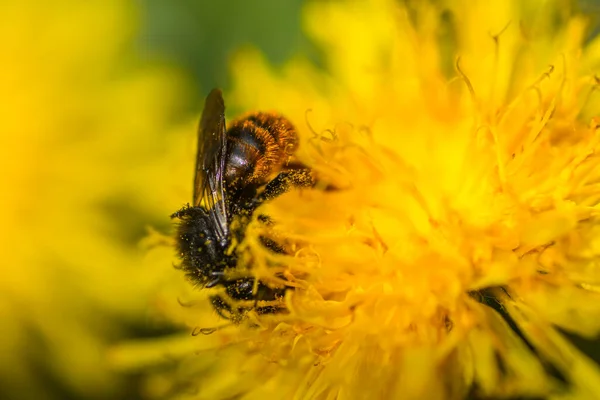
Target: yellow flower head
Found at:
x=461, y=137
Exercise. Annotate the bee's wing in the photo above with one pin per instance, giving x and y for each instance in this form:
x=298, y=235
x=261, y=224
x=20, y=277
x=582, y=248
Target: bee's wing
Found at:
x=210, y=161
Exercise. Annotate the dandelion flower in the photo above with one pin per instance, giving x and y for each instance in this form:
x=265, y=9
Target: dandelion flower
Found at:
x=462, y=137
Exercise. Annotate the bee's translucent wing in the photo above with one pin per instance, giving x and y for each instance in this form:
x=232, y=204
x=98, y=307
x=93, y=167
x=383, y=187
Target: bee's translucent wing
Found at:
x=210, y=162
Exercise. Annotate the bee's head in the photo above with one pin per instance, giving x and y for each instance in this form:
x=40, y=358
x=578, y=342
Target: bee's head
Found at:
x=200, y=246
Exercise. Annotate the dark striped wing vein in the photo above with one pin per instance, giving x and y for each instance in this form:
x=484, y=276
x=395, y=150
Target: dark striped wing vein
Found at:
x=210, y=162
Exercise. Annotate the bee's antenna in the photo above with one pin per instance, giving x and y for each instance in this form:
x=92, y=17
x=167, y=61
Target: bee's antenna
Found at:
x=213, y=283
x=182, y=212
x=217, y=278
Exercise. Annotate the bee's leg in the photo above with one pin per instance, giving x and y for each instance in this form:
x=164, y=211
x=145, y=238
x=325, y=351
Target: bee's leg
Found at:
x=268, y=293
x=222, y=308
x=284, y=182
x=268, y=242
x=295, y=175
x=243, y=289
x=185, y=210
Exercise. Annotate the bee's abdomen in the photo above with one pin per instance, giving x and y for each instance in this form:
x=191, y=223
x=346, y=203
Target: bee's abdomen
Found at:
x=279, y=127
x=258, y=144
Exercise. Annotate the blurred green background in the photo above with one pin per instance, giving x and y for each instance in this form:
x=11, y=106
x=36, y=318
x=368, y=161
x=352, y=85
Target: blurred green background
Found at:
x=200, y=36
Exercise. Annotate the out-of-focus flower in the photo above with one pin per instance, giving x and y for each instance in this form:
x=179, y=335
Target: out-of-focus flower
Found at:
x=83, y=127
x=462, y=136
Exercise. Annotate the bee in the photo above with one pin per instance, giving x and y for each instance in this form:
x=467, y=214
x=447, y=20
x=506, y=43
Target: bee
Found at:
x=237, y=169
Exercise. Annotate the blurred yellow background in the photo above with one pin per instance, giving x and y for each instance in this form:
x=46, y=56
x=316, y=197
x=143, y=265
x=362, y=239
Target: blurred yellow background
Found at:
x=97, y=125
